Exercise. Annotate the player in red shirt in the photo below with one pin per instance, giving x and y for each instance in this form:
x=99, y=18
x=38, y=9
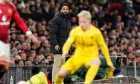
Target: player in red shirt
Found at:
x=7, y=12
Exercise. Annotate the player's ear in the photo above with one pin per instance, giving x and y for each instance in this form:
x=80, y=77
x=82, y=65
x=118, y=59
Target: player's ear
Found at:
x=89, y=21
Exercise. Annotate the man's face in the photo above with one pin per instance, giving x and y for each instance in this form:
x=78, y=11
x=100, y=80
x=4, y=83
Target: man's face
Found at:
x=65, y=10
x=84, y=23
x=38, y=58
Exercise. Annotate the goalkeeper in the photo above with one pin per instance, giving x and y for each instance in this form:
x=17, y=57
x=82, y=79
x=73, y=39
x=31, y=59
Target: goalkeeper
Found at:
x=87, y=40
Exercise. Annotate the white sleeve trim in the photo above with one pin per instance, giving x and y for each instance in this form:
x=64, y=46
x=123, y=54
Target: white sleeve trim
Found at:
x=28, y=33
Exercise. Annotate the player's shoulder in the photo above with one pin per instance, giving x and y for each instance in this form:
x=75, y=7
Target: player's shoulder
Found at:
x=76, y=28
x=12, y=5
x=95, y=29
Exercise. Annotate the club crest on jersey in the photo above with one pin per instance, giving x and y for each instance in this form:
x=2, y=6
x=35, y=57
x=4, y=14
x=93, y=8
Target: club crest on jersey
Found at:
x=4, y=18
x=0, y=11
x=9, y=11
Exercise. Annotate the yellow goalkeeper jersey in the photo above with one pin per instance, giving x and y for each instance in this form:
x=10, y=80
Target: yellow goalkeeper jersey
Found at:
x=87, y=42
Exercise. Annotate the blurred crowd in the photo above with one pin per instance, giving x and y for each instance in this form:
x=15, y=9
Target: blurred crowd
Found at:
x=119, y=26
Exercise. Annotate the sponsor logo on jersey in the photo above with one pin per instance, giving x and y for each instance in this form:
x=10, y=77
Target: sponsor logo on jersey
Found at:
x=4, y=23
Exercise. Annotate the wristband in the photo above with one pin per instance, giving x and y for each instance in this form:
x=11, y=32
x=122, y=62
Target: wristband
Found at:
x=28, y=33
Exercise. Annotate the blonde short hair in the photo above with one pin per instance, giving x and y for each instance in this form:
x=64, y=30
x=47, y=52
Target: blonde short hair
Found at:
x=85, y=14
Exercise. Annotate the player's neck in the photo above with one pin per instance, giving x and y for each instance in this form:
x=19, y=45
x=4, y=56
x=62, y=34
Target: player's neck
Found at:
x=86, y=29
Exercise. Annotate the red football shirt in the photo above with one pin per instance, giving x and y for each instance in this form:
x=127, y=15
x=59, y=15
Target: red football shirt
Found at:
x=7, y=12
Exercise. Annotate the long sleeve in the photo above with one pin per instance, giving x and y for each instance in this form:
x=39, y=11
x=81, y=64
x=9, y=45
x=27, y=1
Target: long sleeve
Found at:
x=53, y=31
x=69, y=42
x=20, y=23
x=104, y=48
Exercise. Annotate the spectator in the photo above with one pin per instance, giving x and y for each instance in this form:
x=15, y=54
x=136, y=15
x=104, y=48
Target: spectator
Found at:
x=21, y=63
x=12, y=60
x=33, y=53
x=17, y=59
x=21, y=38
x=38, y=44
x=23, y=57
x=118, y=24
x=43, y=62
x=33, y=9
x=41, y=52
x=33, y=46
x=27, y=8
x=23, y=46
x=18, y=46
x=13, y=37
x=31, y=24
x=46, y=45
x=131, y=20
x=131, y=59
x=28, y=63
x=28, y=48
x=30, y=58
x=48, y=60
x=138, y=57
x=37, y=60
x=125, y=18
x=14, y=51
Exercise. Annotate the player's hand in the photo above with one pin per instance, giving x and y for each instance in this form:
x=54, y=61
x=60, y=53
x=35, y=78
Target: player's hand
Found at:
x=112, y=67
x=33, y=38
x=56, y=47
x=73, y=46
x=73, y=80
x=64, y=56
x=3, y=63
